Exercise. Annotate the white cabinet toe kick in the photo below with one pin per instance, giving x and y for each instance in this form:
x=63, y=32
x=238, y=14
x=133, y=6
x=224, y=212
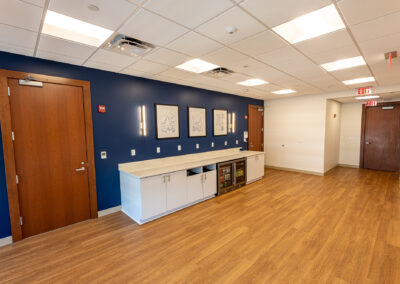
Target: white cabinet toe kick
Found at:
x=191, y=179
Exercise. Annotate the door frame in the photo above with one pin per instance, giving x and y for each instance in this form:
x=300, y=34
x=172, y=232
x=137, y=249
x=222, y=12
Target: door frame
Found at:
x=363, y=125
x=248, y=124
x=8, y=146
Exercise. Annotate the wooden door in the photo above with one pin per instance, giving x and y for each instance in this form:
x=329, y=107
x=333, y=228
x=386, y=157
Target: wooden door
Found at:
x=381, y=138
x=256, y=128
x=50, y=155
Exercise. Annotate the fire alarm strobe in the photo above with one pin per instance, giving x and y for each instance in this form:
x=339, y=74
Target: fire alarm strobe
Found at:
x=101, y=108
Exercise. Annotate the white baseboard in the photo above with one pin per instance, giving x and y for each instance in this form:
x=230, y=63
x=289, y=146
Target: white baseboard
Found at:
x=294, y=170
x=109, y=211
x=5, y=241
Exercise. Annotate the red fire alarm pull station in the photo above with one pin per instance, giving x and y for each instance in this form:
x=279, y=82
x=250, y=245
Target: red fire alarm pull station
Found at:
x=245, y=117
x=101, y=108
x=334, y=115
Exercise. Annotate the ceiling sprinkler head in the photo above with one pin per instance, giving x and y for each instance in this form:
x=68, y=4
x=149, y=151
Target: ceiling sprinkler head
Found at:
x=93, y=8
x=231, y=30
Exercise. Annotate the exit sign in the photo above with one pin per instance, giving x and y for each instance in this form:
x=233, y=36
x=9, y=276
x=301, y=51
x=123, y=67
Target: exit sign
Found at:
x=364, y=91
x=371, y=103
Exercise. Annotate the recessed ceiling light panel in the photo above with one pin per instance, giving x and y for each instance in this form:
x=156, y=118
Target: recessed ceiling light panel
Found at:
x=252, y=82
x=65, y=27
x=284, y=92
x=359, y=81
x=311, y=25
x=367, y=97
x=344, y=64
x=197, y=66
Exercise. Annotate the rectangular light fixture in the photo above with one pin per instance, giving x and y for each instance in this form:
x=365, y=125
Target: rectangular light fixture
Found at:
x=284, y=92
x=143, y=123
x=65, y=27
x=344, y=64
x=233, y=122
x=359, y=80
x=311, y=25
x=367, y=97
x=253, y=82
x=197, y=66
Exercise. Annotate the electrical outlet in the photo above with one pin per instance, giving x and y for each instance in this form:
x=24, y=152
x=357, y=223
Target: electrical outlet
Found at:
x=212, y=144
x=226, y=143
x=179, y=147
x=237, y=142
x=158, y=149
x=197, y=146
x=103, y=155
x=133, y=152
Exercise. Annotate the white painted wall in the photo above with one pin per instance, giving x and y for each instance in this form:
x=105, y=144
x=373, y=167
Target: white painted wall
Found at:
x=332, y=134
x=294, y=133
x=350, y=134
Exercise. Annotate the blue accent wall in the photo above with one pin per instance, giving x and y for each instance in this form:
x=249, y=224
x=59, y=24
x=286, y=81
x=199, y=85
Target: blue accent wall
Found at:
x=117, y=130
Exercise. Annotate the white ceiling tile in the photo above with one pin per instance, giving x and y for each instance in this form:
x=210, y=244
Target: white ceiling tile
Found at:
x=194, y=44
x=39, y=3
x=357, y=11
x=152, y=28
x=236, y=77
x=356, y=72
x=322, y=57
x=136, y=73
x=224, y=57
x=263, y=42
x=167, y=57
x=274, y=13
x=377, y=28
x=137, y=2
x=245, y=25
x=189, y=13
x=12, y=36
x=111, y=14
x=59, y=57
x=112, y=58
x=282, y=54
x=384, y=75
x=148, y=67
x=101, y=66
x=176, y=73
x=326, y=43
x=16, y=49
x=20, y=14
x=64, y=47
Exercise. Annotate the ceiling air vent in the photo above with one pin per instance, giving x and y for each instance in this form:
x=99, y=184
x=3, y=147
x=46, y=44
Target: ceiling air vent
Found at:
x=129, y=46
x=219, y=72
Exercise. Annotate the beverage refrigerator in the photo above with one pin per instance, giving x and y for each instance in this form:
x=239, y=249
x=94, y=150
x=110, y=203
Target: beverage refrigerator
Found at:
x=231, y=175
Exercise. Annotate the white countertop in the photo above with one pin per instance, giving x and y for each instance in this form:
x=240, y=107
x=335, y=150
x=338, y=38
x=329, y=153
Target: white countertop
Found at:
x=161, y=166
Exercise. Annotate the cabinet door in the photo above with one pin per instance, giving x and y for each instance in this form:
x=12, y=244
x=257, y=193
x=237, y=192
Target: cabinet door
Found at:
x=260, y=165
x=251, y=168
x=154, y=197
x=194, y=187
x=176, y=190
x=210, y=183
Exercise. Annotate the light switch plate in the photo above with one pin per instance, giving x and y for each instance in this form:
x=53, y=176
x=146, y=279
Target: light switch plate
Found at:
x=212, y=144
x=179, y=147
x=237, y=142
x=226, y=143
x=133, y=152
x=103, y=155
x=158, y=149
x=197, y=146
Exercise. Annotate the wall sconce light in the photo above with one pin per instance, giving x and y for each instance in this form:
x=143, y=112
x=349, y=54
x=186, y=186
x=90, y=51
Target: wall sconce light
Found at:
x=233, y=122
x=229, y=122
x=143, y=123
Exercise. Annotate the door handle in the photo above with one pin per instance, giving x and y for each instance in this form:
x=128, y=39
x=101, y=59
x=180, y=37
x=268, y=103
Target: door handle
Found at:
x=80, y=169
x=367, y=143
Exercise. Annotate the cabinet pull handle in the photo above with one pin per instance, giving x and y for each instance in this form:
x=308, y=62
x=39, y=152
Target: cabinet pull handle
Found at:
x=169, y=178
x=205, y=176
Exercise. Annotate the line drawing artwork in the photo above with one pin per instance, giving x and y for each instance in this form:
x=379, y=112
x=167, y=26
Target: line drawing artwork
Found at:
x=220, y=122
x=167, y=121
x=197, y=122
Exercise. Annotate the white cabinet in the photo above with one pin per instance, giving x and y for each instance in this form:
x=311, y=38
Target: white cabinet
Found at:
x=255, y=167
x=194, y=187
x=176, y=189
x=154, y=196
x=210, y=183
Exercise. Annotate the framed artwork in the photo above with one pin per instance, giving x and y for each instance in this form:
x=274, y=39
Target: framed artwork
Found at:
x=197, y=122
x=220, y=122
x=167, y=121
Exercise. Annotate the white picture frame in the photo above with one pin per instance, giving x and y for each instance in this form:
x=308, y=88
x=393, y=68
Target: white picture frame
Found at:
x=197, y=122
x=167, y=121
x=220, y=122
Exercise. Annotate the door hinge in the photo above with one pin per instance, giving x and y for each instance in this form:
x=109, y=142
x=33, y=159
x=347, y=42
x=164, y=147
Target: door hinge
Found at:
x=17, y=179
x=9, y=92
x=262, y=129
x=12, y=136
x=20, y=221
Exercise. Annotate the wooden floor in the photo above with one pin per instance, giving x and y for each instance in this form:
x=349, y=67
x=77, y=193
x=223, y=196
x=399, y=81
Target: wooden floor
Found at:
x=286, y=228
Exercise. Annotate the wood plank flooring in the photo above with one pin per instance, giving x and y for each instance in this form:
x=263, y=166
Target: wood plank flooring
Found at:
x=286, y=228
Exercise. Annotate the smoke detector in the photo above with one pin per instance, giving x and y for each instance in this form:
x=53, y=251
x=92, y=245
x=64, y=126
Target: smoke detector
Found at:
x=129, y=46
x=218, y=73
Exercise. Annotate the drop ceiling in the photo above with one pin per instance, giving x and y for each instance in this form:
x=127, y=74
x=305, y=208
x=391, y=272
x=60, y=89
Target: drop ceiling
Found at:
x=183, y=30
